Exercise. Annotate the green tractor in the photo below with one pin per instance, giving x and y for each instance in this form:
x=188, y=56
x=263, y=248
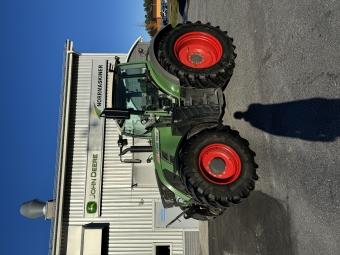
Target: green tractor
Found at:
x=175, y=101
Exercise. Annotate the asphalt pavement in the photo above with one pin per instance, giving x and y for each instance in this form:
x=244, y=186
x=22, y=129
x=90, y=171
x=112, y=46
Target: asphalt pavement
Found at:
x=284, y=98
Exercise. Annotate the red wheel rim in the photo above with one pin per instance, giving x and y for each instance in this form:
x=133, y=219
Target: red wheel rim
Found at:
x=198, y=50
x=219, y=155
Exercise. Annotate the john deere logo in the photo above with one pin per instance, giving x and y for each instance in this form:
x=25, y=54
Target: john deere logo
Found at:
x=91, y=207
x=96, y=110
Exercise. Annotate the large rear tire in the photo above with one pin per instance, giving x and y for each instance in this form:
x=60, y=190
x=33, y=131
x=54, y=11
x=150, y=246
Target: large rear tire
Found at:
x=218, y=167
x=200, y=55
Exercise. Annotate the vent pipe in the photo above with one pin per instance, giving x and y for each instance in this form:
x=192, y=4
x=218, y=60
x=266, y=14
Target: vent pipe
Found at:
x=36, y=208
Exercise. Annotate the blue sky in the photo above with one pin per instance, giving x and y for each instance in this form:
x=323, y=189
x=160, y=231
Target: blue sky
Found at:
x=33, y=34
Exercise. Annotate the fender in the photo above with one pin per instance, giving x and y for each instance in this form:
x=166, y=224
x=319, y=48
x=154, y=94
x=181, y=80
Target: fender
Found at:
x=153, y=56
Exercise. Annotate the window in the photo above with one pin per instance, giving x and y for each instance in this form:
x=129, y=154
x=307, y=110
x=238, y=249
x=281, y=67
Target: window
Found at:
x=133, y=90
x=134, y=126
x=162, y=249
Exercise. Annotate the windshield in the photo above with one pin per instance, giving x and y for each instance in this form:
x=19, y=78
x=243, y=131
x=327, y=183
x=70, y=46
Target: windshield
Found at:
x=133, y=89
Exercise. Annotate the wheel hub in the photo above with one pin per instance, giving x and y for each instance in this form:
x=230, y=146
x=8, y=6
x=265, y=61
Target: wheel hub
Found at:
x=219, y=164
x=198, y=50
x=196, y=58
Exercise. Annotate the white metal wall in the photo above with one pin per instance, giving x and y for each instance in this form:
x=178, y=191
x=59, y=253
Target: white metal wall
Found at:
x=144, y=173
x=128, y=212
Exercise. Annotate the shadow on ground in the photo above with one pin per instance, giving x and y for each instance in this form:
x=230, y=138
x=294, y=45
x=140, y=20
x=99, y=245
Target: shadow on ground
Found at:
x=316, y=119
x=259, y=225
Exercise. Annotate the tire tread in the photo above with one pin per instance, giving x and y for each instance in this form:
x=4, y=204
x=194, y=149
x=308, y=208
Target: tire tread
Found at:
x=206, y=192
x=186, y=76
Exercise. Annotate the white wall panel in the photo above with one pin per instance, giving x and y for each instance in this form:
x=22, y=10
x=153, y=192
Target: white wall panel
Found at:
x=128, y=212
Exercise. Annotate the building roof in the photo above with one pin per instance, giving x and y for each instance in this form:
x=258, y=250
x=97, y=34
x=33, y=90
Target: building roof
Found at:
x=62, y=148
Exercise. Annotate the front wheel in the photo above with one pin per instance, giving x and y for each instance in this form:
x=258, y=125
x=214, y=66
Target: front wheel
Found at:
x=218, y=167
x=200, y=55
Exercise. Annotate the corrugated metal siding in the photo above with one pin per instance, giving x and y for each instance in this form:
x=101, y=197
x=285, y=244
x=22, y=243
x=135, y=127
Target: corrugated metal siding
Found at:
x=144, y=173
x=77, y=144
x=115, y=174
x=191, y=240
x=133, y=240
x=128, y=212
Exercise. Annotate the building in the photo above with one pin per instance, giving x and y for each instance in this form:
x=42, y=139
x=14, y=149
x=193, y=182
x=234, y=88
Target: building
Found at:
x=156, y=15
x=103, y=206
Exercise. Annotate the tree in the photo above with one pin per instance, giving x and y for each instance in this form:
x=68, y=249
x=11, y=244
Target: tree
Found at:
x=149, y=24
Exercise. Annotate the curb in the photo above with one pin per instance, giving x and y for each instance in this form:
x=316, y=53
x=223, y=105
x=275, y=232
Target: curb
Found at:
x=203, y=238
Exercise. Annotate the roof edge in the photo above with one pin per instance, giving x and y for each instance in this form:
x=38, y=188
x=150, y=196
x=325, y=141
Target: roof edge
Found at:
x=59, y=183
x=139, y=39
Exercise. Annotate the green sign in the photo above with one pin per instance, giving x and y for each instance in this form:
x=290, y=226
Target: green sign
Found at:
x=91, y=207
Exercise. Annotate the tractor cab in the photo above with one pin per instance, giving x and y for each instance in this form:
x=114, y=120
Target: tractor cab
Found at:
x=136, y=100
x=136, y=103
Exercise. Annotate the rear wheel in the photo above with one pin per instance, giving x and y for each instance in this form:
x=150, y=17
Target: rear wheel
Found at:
x=200, y=55
x=218, y=167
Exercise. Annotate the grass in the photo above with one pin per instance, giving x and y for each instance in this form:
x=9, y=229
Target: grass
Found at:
x=174, y=13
